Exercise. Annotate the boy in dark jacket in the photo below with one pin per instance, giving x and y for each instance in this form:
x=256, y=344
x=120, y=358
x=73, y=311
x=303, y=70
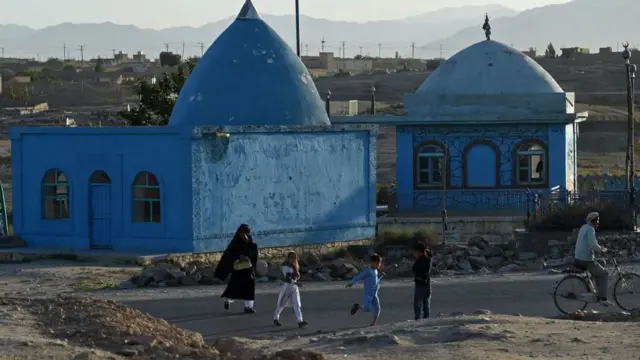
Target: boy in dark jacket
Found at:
x=422, y=279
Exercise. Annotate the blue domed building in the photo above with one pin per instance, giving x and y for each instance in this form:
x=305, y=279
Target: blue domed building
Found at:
x=483, y=134
x=249, y=141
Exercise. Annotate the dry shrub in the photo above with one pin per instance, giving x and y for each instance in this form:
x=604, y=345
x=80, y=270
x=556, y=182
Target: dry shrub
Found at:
x=612, y=218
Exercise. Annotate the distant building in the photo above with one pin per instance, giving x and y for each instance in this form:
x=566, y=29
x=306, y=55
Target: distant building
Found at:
x=532, y=52
x=327, y=61
x=606, y=50
x=18, y=79
x=573, y=51
x=139, y=57
x=137, y=68
x=121, y=57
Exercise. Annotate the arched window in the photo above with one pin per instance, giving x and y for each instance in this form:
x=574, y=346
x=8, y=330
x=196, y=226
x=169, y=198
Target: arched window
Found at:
x=55, y=195
x=530, y=163
x=146, y=198
x=100, y=177
x=430, y=166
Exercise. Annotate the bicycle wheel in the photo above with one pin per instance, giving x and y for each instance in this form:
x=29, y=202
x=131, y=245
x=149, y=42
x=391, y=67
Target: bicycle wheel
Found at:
x=577, y=287
x=626, y=293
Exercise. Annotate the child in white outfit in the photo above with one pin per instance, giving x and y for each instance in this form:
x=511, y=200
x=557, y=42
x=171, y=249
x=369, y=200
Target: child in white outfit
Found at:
x=290, y=293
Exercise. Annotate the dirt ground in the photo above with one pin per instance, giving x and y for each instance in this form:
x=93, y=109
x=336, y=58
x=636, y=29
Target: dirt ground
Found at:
x=47, y=311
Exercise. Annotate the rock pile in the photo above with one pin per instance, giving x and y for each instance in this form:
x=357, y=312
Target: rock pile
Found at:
x=594, y=315
x=478, y=255
x=171, y=273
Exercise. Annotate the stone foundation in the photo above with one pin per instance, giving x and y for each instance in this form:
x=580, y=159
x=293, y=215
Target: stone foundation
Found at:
x=494, y=229
x=319, y=250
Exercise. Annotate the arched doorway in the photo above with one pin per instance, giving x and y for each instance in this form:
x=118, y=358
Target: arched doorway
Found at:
x=100, y=207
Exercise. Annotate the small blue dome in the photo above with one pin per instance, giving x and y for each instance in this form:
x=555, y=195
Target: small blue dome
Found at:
x=249, y=76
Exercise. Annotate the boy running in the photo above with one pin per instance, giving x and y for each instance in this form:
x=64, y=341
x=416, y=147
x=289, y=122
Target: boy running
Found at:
x=371, y=281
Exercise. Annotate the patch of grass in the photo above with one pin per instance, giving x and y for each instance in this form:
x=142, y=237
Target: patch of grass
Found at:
x=92, y=284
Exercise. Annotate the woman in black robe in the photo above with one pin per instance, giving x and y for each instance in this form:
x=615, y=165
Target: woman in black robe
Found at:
x=240, y=260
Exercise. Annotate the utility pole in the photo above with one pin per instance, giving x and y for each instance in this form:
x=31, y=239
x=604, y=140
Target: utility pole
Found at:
x=183, y=45
x=322, y=42
x=360, y=51
x=2, y=53
x=166, y=46
x=114, y=52
x=344, y=56
x=298, y=27
x=64, y=52
x=306, y=49
x=380, y=50
x=201, y=49
x=82, y=53
x=631, y=148
x=441, y=51
x=413, y=50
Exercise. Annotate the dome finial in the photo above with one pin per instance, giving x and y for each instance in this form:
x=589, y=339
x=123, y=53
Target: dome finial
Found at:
x=248, y=11
x=487, y=27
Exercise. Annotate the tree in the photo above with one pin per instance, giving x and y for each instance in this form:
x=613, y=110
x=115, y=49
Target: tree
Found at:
x=168, y=58
x=550, y=52
x=99, y=68
x=193, y=59
x=157, y=100
x=54, y=63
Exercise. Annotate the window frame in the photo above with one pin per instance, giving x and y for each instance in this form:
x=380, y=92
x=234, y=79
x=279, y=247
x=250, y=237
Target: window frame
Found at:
x=146, y=200
x=61, y=201
x=442, y=154
x=542, y=152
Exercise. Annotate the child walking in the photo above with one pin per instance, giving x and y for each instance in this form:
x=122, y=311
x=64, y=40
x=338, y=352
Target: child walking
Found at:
x=290, y=293
x=371, y=279
x=422, y=279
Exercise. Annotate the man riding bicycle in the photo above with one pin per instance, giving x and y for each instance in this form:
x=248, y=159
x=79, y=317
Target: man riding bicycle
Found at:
x=586, y=247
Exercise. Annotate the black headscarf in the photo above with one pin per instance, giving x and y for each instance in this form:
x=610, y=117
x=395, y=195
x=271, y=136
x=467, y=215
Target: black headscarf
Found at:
x=233, y=252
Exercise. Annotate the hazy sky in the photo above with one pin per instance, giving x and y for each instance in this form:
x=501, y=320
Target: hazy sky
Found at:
x=167, y=13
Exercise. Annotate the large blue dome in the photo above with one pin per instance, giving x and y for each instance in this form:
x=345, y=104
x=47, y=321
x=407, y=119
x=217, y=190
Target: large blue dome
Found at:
x=249, y=76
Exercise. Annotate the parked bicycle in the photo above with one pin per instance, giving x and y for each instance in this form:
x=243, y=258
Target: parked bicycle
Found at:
x=582, y=291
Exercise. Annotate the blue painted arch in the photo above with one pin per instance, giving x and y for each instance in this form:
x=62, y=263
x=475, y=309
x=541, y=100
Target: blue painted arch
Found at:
x=481, y=165
x=249, y=76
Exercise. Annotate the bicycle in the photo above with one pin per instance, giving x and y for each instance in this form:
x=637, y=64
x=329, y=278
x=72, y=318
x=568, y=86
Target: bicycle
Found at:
x=586, y=292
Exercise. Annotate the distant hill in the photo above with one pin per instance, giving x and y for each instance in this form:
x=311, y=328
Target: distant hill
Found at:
x=394, y=35
x=463, y=13
x=583, y=23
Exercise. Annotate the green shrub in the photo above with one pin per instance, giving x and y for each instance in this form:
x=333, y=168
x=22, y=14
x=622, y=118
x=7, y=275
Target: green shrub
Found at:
x=612, y=218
